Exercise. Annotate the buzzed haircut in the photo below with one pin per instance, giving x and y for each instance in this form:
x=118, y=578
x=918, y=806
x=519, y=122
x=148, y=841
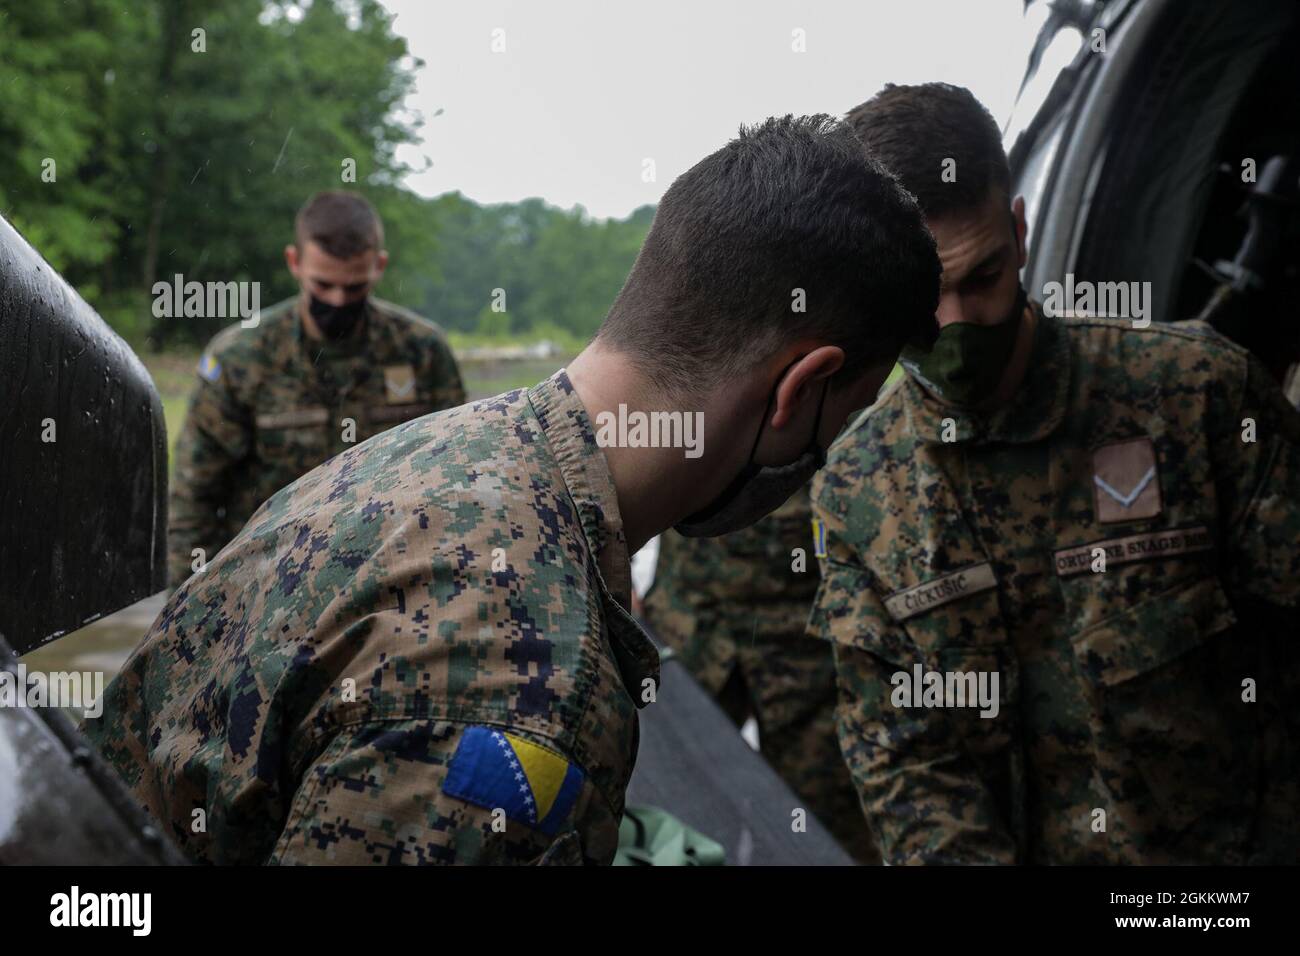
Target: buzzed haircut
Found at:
x=344, y=224
x=915, y=130
x=788, y=232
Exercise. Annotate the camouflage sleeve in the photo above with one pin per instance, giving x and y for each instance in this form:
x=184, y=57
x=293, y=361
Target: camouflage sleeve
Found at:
x=378, y=795
x=216, y=436
x=445, y=385
x=922, y=794
x=1257, y=470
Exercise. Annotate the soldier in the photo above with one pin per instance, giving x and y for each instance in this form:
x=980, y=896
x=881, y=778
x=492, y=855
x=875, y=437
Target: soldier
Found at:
x=1063, y=561
x=734, y=609
x=419, y=652
x=328, y=368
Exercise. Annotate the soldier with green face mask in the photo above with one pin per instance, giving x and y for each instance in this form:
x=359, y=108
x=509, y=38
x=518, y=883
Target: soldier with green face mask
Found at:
x=1061, y=561
x=967, y=360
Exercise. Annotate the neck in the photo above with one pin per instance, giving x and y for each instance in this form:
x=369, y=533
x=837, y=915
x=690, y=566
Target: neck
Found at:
x=1019, y=363
x=656, y=487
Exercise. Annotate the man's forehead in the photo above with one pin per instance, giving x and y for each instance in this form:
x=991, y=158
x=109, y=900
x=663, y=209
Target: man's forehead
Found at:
x=319, y=264
x=968, y=239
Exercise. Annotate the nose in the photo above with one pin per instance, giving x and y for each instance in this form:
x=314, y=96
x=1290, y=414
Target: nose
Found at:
x=950, y=309
x=335, y=297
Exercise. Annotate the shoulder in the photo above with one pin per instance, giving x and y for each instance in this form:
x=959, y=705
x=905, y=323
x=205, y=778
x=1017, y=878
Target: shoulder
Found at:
x=407, y=324
x=478, y=452
x=873, y=441
x=236, y=348
x=1189, y=351
x=871, y=467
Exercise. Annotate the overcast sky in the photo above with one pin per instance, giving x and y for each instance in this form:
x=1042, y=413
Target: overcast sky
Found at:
x=587, y=90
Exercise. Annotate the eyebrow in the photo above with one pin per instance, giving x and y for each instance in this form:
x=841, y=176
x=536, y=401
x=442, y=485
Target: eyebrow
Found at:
x=990, y=261
x=346, y=285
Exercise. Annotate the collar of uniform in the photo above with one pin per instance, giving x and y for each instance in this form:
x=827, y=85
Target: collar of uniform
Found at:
x=568, y=430
x=1033, y=413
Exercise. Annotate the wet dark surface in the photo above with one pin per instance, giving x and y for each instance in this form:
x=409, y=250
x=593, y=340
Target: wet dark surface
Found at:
x=81, y=516
x=59, y=803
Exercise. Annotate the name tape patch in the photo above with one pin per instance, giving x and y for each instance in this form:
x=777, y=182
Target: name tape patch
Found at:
x=294, y=418
x=923, y=597
x=1136, y=547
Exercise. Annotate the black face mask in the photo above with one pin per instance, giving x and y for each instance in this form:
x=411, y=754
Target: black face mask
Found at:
x=759, y=489
x=336, y=321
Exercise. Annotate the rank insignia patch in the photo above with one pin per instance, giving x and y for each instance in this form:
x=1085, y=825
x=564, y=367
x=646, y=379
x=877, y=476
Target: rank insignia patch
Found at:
x=1126, y=481
x=532, y=784
x=399, y=384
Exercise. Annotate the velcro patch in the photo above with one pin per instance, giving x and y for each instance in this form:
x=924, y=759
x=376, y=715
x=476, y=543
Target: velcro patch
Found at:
x=1137, y=547
x=931, y=594
x=497, y=770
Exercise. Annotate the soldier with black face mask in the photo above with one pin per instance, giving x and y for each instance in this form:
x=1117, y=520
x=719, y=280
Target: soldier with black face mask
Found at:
x=314, y=376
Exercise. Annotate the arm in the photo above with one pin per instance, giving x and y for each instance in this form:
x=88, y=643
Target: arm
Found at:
x=215, y=438
x=378, y=795
x=1258, y=487
x=922, y=793
x=446, y=389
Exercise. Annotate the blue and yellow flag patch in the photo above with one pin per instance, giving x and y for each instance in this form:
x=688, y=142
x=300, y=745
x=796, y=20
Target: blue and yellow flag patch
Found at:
x=819, y=538
x=533, y=785
x=209, y=367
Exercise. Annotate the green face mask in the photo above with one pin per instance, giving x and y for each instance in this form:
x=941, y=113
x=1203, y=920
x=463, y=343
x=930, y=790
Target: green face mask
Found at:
x=966, y=363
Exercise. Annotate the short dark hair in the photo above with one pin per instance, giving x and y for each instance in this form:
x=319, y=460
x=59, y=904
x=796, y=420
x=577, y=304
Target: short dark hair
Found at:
x=344, y=224
x=790, y=204
x=912, y=130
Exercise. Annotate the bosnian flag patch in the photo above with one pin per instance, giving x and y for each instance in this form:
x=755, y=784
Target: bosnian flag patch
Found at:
x=532, y=784
x=819, y=538
x=209, y=368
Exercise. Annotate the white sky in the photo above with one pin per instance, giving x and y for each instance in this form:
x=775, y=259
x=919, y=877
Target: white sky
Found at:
x=588, y=89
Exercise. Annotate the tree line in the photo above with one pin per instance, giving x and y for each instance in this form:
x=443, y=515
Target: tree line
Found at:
x=167, y=137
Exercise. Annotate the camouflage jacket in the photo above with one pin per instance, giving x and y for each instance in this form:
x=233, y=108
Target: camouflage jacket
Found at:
x=709, y=593
x=270, y=405
x=1143, y=711
x=416, y=653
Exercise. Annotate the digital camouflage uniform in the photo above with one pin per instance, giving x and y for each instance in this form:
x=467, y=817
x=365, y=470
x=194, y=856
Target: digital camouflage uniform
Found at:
x=271, y=404
x=734, y=610
x=420, y=639
x=1120, y=690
